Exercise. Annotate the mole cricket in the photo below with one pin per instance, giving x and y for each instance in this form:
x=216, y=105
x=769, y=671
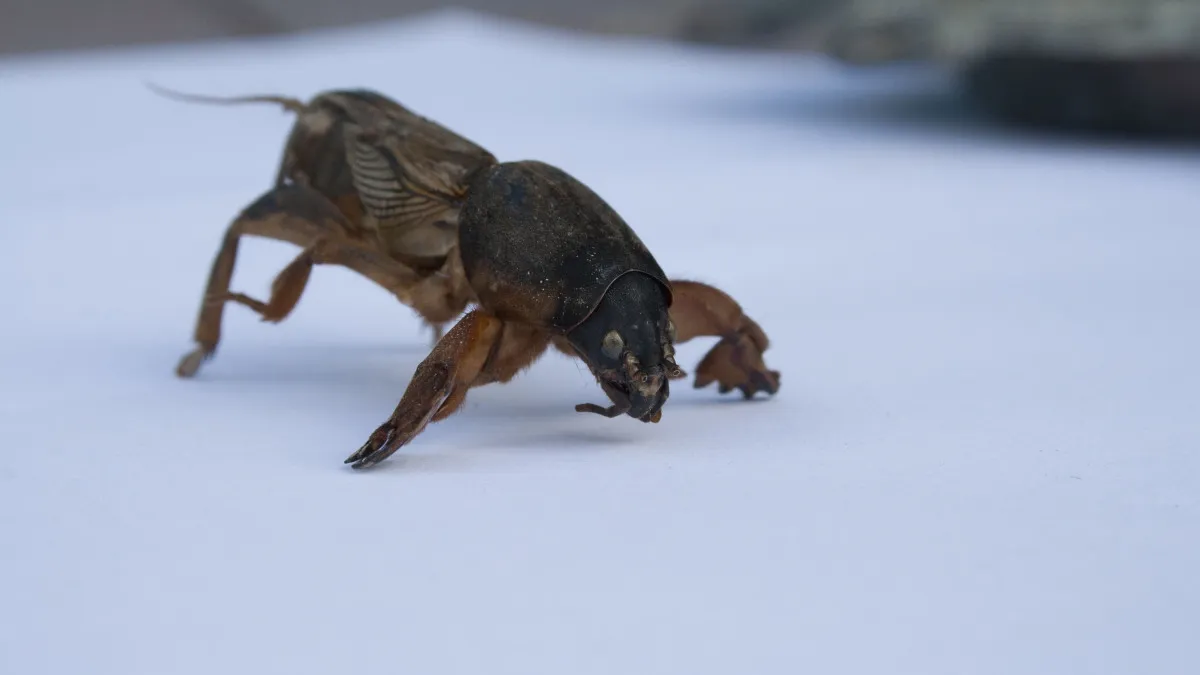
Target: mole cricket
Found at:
x=540, y=260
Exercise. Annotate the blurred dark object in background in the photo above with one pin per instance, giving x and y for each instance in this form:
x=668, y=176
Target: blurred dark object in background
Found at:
x=1145, y=97
x=1097, y=66
x=774, y=24
x=28, y=26
x=1126, y=66
x=1111, y=66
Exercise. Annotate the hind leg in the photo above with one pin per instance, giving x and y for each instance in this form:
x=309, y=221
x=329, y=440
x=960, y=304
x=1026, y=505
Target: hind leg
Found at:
x=301, y=216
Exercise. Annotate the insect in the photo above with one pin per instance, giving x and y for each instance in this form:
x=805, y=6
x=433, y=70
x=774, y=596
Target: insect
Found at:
x=538, y=258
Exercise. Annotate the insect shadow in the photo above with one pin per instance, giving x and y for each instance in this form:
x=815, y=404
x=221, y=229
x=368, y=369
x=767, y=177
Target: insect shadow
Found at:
x=342, y=381
x=320, y=365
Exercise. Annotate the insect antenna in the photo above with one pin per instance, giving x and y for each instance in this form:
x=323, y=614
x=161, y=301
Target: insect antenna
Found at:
x=291, y=104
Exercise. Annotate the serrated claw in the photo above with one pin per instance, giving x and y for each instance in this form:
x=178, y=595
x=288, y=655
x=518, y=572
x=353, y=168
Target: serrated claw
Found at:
x=736, y=364
x=762, y=381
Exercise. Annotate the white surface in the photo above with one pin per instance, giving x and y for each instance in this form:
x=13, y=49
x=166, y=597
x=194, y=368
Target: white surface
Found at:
x=984, y=458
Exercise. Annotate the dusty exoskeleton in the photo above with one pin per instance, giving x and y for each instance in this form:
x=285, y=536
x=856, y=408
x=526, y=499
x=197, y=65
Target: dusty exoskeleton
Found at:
x=539, y=258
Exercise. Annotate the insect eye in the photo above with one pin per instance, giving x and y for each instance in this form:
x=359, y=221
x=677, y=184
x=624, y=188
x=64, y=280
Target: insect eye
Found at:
x=671, y=330
x=613, y=344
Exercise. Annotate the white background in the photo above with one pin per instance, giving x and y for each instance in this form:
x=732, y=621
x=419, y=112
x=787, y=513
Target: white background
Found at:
x=983, y=458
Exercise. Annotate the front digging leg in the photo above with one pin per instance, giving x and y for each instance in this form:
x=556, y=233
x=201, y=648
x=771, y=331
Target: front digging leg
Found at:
x=736, y=361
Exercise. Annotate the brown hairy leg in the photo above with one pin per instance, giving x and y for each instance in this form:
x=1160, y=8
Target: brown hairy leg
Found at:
x=301, y=216
x=736, y=361
x=480, y=349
